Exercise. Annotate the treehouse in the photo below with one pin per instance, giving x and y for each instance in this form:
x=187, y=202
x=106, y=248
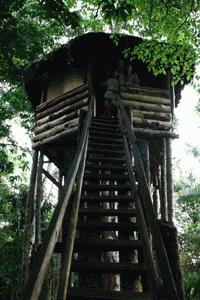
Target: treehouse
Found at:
x=117, y=237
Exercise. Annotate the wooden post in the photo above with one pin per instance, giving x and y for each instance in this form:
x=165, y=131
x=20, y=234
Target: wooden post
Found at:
x=155, y=186
x=144, y=149
x=147, y=162
x=163, y=198
x=28, y=228
x=39, y=194
x=169, y=180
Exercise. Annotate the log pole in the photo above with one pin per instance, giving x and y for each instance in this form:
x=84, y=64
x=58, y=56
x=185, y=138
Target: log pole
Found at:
x=39, y=194
x=169, y=180
x=28, y=228
x=163, y=200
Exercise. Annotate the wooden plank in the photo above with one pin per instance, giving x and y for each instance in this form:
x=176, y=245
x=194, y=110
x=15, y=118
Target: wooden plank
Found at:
x=106, y=267
x=152, y=123
x=150, y=115
x=61, y=105
x=99, y=294
x=55, y=130
x=145, y=98
x=49, y=119
x=145, y=89
x=145, y=195
x=60, y=98
x=55, y=138
x=147, y=106
x=65, y=110
x=51, y=124
x=156, y=133
x=44, y=254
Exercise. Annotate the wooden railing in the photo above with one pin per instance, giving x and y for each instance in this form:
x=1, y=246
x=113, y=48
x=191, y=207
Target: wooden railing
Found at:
x=45, y=251
x=59, y=116
x=150, y=110
x=146, y=208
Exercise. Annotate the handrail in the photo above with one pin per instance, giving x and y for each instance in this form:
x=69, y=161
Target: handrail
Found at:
x=154, y=279
x=44, y=253
x=165, y=269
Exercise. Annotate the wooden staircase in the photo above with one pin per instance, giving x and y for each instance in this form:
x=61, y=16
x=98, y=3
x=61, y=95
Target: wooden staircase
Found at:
x=109, y=260
x=111, y=245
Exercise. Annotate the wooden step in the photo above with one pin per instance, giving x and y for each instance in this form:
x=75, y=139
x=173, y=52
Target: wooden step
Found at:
x=105, y=139
x=112, y=121
x=105, y=177
x=90, y=226
x=96, y=199
x=114, y=129
x=105, y=133
x=99, y=267
x=107, y=212
x=105, y=187
x=104, y=150
x=100, y=294
x=102, y=145
x=98, y=124
x=109, y=167
x=106, y=159
x=83, y=244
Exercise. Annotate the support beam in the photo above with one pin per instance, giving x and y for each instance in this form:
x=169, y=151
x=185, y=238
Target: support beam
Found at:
x=39, y=194
x=163, y=198
x=51, y=178
x=28, y=228
x=169, y=180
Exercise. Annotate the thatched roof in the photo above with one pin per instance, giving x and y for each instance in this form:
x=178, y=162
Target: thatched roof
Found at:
x=97, y=48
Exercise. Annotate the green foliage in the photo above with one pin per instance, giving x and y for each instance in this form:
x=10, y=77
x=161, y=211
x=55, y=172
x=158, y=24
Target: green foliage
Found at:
x=12, y=209
x=175, y=24
x=188, y=217
x=31, y=28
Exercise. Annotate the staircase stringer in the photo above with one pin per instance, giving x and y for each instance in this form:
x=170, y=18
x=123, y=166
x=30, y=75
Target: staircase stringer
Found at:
x=71, y=231
x=148, y=210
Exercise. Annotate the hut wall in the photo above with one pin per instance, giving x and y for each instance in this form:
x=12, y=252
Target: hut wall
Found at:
x=148, y=108
x=71, y=79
